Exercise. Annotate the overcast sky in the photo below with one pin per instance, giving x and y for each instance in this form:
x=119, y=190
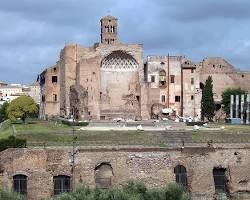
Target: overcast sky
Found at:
x=32, y=32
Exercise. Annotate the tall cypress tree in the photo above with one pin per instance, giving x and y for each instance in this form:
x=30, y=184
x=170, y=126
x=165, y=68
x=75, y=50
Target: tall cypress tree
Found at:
x=207, y=101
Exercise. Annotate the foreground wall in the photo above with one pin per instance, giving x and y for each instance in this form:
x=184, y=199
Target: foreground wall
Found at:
x=154, y=167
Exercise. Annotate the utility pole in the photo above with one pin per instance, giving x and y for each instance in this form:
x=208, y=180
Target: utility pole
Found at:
x=74, y=151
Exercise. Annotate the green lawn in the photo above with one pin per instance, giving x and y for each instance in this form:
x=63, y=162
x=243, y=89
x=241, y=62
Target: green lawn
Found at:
x=39, y=133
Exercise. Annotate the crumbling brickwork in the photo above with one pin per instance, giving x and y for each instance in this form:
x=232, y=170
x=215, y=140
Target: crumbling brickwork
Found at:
x=153, y=166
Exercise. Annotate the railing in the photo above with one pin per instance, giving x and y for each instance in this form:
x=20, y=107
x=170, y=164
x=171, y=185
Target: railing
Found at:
x=5, y=124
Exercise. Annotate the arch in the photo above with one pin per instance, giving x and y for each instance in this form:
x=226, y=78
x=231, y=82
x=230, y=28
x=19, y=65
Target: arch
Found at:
x=103, y=175
x=61, y=184
x=119, y=61
x=181, y=175
x=162, y=78
x=20, y=183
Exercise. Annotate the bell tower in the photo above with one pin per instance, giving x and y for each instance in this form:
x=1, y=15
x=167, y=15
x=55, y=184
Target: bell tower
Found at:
x=109, y=30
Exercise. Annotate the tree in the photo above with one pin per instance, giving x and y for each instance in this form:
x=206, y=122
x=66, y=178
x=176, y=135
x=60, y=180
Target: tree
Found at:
x=3, y=112
x=21, y=107
x=226, y=97
x=207, y=101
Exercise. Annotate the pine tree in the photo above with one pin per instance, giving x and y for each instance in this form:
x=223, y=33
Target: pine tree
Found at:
x=207, y=101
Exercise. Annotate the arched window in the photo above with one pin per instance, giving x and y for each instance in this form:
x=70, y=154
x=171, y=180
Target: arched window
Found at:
x=61, y=184
x=181, y=175
x=162, y=78
x=219, y=179
x=103, y=175
x=119, y=61
x=20, y=183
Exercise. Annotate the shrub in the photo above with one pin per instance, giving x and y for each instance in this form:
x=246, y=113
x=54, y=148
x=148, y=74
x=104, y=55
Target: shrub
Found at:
x=12, y=142
x=10, y=195
x=131, y=191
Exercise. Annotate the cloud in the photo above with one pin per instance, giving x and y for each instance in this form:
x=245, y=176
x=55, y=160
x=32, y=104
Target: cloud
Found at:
x=34, y=31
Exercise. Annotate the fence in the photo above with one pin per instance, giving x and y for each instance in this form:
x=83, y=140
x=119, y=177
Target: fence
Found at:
x=5, y=124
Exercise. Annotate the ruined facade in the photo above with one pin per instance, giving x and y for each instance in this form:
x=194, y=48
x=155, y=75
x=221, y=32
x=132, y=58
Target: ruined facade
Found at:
x=117, y=83
x=205, y=172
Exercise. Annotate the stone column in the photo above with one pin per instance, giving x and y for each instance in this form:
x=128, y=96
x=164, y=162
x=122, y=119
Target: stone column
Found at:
x=248, y=108
x=237, y=107
x=242, y=101
x=232, y=106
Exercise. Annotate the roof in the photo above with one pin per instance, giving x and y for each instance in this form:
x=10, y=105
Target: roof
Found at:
x=109, y=17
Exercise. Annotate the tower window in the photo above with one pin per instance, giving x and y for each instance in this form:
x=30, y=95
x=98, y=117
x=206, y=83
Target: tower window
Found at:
x=171, y=78
x=152, y=79
x=177, y=99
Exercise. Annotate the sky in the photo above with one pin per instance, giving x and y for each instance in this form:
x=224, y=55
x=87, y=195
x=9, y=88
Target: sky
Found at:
x=32, y=32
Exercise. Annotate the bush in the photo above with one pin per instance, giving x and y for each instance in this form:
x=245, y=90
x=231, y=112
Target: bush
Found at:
x=131, y=191
x=12, y=142
x=77, y=123
x=10, y=195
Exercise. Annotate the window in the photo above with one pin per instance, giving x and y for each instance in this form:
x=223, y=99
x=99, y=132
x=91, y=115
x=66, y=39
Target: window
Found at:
x=177, y=99
x=152, y=79
x=162, y=78
x=61, y=184
x=54, y=79
x=20, y=184
x=54, y=97
x=219, y=179
x=192, y=81
x=163, y=98
x=242, y=75
x=192, y=97
x=103, y=175
x=192, y=71
x=171, y=78
x=54, y=69
x=43, y=98
x=181, y=175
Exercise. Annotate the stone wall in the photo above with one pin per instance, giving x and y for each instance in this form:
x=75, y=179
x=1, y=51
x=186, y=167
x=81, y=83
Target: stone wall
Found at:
x=153, y=166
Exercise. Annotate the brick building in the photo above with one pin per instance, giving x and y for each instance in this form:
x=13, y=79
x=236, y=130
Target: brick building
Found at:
x=110, y=80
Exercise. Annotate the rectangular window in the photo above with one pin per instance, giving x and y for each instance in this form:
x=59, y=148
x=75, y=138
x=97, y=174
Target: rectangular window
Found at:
x=177, y=99
x=192, y=71
x=171, y=78
x=192, y=81
x=152, y=79
x=219, y=179
x=54, y=97
x=192, y=97
x=54, y=79
x=43, y=98
x=163, y=98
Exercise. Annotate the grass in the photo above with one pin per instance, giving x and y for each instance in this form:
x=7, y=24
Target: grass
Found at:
x=39, y=133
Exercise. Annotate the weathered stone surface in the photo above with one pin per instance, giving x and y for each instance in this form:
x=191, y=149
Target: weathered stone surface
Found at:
x=153, y=166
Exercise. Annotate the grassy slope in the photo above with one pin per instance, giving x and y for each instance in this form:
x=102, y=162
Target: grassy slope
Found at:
x=51, y=133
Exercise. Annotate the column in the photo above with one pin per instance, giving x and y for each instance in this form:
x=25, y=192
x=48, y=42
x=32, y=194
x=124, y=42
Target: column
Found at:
x=242, y=101
x=237, y=107
x=248, y=108
x=232, y=106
